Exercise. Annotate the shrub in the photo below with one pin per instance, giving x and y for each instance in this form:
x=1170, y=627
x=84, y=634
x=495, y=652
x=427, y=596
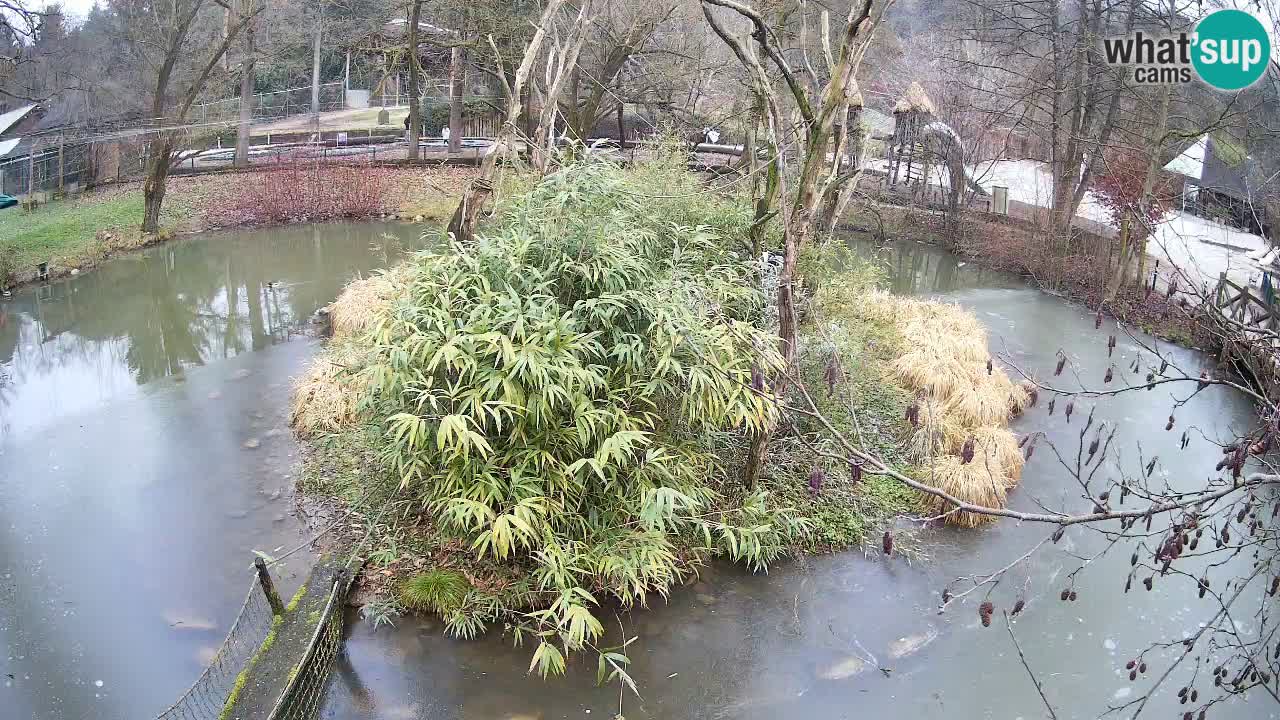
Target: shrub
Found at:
x=551, y=390
x=303, y=190
x=440, y=591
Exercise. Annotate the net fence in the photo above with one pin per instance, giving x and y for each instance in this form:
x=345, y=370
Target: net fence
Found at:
x=305, y=692
x=206, y=699
x=273, y=105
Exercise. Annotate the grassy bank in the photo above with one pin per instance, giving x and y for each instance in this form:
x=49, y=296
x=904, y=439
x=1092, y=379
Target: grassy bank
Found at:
x=80, y=232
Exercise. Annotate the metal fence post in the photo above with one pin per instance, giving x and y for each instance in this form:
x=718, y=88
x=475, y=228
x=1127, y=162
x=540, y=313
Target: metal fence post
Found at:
x=268, y=587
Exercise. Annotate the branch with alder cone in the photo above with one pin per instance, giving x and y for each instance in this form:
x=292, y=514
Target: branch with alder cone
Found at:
x=1213, y=539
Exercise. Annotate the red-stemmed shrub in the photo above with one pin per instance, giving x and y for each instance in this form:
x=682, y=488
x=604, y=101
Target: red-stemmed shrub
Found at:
x=303, y=190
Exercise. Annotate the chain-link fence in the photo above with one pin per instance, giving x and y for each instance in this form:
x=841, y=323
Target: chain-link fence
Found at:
x=272, y=105
x=206, y=699
x=305, y=692
x=54, y=167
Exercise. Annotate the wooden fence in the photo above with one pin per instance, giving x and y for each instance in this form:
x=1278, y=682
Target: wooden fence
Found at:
x=1249, y=345
x=1239, y=303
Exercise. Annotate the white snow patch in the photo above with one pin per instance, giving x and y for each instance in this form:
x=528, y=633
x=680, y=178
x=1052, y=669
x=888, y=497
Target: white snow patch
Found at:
x=1205, y=249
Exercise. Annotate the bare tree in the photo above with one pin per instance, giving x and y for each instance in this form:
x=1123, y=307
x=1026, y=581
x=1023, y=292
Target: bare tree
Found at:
x=561, y=64
x=415, y=79
x=245, y=8
x=818, y=106
x=463, y=223
x=177, y=82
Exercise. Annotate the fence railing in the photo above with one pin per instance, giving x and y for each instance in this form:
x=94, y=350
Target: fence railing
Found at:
x=1238, y=303
x=207, y=697
x=57, y=167
x=305, y=692
x=273, y=105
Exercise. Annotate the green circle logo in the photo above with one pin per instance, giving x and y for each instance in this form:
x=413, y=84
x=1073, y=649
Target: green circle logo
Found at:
x=1232, y=49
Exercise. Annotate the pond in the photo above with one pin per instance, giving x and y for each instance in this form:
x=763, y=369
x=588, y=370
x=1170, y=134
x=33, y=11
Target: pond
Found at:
x=852, y=636
x=145, y=454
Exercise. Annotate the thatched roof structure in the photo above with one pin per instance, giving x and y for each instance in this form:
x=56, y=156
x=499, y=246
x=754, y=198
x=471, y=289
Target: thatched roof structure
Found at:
x=914, y=100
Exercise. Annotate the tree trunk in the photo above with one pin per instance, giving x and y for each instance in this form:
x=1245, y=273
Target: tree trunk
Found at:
x=1149, y=178
x=415, y=15
x=764, y=208
x=622, y=124
x=457, y=83
x=247, y=67
x=1118, y=277
x=153, y=188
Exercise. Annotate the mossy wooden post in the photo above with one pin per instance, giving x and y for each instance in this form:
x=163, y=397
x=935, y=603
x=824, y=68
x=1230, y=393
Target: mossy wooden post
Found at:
x=268, y=587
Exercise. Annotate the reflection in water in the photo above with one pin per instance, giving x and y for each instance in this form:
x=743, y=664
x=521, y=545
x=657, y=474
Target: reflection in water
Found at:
x=914, y=268
x=79, y=342
x=145, y=454
x=843, y=636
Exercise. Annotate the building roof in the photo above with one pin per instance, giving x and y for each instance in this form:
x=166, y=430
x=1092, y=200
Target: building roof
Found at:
x=1216, y=166
x=914, y=100
x=877, y=123
x=7, y=145
x=1190, y=162
x=13, y=117
x=1223, y=176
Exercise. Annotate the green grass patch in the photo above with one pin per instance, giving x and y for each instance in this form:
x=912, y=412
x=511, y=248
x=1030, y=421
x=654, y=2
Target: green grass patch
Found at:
x=865, y=403
x=64, y=232
x=296, y=599
x=66, y=228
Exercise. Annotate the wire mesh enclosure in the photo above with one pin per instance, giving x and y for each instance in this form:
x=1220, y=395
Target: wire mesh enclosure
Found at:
x=305, y=692
x=207, y=697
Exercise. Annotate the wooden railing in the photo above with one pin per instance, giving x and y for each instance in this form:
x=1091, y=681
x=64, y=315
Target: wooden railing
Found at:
x=1235, y=302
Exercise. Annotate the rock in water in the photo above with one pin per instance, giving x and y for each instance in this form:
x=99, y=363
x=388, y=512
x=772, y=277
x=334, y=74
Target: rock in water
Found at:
x=844, y=669
x=912, y=643
x=252, y=443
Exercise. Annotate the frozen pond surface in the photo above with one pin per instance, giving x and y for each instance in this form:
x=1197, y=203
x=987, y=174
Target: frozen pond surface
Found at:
x=145, y=454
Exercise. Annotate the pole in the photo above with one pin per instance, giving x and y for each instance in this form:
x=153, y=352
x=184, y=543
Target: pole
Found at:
x=315, y=72
x=62, y=183
x=268, y=587
x=31, y=173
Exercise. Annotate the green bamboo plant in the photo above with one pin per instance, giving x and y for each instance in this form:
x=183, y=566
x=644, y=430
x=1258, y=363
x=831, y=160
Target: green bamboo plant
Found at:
x=551, y=390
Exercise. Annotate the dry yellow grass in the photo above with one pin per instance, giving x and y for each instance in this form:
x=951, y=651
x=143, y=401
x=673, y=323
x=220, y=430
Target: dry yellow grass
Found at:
x=927, y=371
x=975, y=482
x=357, y=308
x=997, y=447
x=984, y=402
x=327, y=395
x=937, y=434
x=944, y=361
